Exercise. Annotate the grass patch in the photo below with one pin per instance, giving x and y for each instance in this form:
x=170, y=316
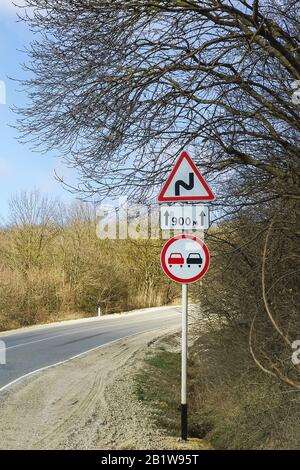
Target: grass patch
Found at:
x=158, y=385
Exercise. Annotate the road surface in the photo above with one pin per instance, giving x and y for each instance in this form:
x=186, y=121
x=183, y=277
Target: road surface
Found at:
x=30, y=350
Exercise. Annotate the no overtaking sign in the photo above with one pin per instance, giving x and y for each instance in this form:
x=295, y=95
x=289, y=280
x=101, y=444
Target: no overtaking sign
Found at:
x=185, y=259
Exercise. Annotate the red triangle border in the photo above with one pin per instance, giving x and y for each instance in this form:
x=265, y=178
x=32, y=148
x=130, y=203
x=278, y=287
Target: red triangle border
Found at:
x=210, y=195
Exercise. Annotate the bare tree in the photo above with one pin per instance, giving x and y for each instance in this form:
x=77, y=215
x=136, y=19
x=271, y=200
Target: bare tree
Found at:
x=33, y=224
x=32, y=208
x=120, y=87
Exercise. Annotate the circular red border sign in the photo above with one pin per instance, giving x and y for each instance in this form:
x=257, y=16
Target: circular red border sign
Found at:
x=178, y=279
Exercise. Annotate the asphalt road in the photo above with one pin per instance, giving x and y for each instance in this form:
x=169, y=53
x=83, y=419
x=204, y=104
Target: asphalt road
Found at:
x=31, y=349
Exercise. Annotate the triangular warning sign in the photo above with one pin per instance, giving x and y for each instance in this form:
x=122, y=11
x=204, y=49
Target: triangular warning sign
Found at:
x=185, y=183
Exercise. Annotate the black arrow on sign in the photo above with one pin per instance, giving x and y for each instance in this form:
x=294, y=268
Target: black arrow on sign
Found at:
x=182, y=183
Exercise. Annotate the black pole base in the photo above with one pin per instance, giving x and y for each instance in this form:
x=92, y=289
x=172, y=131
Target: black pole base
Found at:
x=184, y=430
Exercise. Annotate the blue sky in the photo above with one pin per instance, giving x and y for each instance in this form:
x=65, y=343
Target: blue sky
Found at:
x=21, y=168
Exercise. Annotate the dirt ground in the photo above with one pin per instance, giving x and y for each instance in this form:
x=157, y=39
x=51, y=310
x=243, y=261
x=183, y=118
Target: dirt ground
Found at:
x=87, y=403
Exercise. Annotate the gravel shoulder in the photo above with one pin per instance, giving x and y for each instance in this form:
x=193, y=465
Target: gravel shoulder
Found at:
x=86, y=403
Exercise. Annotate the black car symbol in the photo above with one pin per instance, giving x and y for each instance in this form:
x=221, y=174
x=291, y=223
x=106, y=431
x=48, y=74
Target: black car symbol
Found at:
x=194, y=258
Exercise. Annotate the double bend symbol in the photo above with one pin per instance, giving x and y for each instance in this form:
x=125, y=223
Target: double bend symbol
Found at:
x=188, y=186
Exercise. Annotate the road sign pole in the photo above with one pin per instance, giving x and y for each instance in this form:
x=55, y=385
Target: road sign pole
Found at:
x=185, y=258
x=184, y=351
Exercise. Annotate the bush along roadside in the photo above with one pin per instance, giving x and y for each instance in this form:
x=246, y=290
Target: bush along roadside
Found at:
x=231, y=403
x=243, y=407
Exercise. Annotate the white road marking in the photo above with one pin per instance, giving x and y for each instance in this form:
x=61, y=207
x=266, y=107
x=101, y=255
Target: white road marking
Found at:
x=19, y=379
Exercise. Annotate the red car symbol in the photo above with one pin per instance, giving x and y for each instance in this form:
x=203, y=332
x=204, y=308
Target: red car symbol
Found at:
x=175, y=258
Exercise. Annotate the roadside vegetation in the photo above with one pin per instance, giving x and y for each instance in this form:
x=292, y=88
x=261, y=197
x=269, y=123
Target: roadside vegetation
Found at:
x=53, y=266
x=247, y=386
x=239, y=405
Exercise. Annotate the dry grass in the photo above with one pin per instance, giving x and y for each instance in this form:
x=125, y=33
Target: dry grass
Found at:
x=242, y=407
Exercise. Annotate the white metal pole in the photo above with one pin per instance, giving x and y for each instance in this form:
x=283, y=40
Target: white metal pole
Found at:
x=99, y=311
x=184, y=353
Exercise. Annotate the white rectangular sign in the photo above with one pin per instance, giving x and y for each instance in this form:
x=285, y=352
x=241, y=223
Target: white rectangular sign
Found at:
x=185, y=217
